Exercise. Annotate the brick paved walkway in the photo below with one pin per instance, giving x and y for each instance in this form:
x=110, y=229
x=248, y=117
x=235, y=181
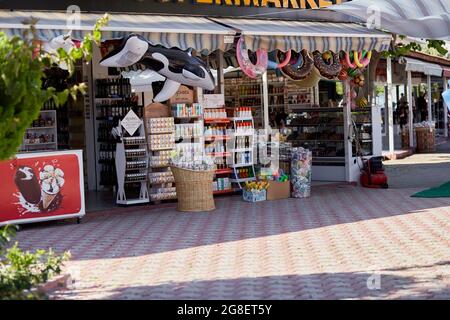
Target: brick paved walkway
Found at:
x=326, y=246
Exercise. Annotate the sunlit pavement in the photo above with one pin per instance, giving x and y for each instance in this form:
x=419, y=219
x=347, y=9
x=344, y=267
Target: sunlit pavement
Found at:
x=344, y=242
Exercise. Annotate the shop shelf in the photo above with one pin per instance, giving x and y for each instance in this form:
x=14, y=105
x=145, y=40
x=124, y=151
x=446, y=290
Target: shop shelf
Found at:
x=242, y=150
x=241, y=119
x=243, y=179
x=223, y=171
x=39, y=144
x=241, y=165
x=217, y=138
x=219, y=154
x=223, y=191
x=219, y=120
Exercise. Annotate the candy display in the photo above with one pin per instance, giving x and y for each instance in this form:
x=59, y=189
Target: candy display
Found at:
x=163, y=193
x=135, y=177
x=133, y=140
x=301, y=161
x=161, y=177
x=182, y=110
x=160, y=125
x=161, y=141
x=201, y=163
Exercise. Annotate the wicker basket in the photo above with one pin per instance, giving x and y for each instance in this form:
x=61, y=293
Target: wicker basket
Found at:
x=425, y=140
x=194, y=189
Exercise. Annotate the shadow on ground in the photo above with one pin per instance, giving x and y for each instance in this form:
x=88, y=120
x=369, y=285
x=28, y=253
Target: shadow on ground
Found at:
x=343, y=285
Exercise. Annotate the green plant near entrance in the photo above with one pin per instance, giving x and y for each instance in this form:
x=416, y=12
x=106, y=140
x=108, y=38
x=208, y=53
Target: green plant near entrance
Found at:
x=22, y=70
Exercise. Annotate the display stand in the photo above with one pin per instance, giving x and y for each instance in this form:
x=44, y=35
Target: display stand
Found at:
x=161, y=142
x=242, y=152
x=216, y=139
x=43, y=135
x=132, y=166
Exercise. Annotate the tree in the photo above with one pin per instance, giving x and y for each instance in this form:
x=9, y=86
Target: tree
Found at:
x=22, y=69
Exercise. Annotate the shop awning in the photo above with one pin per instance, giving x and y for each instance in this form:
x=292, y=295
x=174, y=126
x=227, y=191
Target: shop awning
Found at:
x=297, y=35
x=446, y=72
x=415, y=18
x=170, y=31
x=423, y=67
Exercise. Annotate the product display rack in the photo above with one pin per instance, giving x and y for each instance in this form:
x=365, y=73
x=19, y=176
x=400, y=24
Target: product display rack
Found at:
x=113, y=99
x=242, y=152
x=362, y=120
x=42, y=135
x=131, y=160
x=160, y=134
x=283, y=94
x=320, y=130
x=216, y=141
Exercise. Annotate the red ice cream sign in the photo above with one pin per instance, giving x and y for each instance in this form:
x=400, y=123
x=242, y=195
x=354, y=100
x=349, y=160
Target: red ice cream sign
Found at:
x=40, y=187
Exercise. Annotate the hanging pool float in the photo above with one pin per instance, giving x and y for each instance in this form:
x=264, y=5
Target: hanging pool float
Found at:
x=300, y=68
x=327, y=63
x=247, y=66
x=360, y=59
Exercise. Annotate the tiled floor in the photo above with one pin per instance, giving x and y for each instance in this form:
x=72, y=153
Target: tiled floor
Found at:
x=344, y=242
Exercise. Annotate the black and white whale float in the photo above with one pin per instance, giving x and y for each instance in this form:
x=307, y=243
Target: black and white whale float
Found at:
x=175, y=65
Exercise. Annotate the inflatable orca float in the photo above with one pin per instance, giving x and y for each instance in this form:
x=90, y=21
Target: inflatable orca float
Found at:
x=177, y=66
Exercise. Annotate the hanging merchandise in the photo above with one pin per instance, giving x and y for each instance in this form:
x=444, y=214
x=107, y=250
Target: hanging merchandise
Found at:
x=311, y=81
x=300, y=66
x=357, y=59
x=177, y=66
x=274, y=65
x=63, y=41
x=301, y=163
x=247, y=66
x=361, y=100
x=141, y=80
x=327, y=63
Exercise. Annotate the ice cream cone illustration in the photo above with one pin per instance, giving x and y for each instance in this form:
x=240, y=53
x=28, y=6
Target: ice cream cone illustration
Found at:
x=52, y=181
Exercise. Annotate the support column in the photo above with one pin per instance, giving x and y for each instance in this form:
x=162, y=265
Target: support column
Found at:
x=348, y=131
x=430, y=116
x=265, y=101
x=445, y=110
x=410, y=110
x=390, y=113
x=220, y=74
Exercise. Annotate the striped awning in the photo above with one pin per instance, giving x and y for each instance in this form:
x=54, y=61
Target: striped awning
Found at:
x=423, y=67
x=298, y=35
x=170, y=31
x=446, y=72
x=414, y=18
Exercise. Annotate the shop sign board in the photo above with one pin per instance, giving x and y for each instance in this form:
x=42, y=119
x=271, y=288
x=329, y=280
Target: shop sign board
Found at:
x=42, y=186
x=280, y=9
x=131, y=122
x=183, y=95
x=213, y=101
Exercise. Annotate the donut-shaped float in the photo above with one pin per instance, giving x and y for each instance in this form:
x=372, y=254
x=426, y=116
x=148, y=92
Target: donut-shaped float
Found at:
x=300, y=66
x=360, y=59
x=247, y=66
x=278, y=65
x=327, y=63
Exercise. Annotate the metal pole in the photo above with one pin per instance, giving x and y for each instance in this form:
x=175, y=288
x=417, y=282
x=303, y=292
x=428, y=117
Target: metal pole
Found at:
x=430, y=116
x=265, y=101
x=220, y=73
x=390, y=120
x=445, y=110
x=410, y=110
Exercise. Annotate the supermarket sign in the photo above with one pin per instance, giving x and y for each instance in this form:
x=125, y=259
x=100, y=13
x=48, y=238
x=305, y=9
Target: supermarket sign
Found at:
x=288, y=4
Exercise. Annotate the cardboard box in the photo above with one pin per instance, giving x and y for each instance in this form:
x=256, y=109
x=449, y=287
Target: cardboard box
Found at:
x=254, y=196
x=279, y=190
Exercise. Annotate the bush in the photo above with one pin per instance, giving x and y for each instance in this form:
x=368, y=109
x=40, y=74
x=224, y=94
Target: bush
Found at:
x=22, y=271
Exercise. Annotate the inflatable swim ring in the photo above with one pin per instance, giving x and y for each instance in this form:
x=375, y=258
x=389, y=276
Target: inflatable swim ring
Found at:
x=301, y=68
x=246, y=65
x=329, y=69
